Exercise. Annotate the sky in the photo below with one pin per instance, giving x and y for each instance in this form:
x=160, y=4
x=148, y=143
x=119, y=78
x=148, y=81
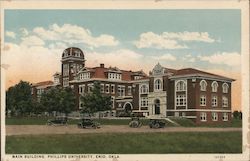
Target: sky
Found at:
x=208, y=40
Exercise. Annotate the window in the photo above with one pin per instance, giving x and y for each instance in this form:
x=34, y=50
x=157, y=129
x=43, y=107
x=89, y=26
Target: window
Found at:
x=40, y=91
x=90, y=87
x=113, y=102
x=84, y=76
x=116, y=76
x=121, y=90
x=203, y=100
x=158, y=84
x=214, y=116
x=81, y=89
x=65, y=82
x=144, y=89
x=137, y=77
x=65, y=69
x=112, y=88
x=181, y=100
x=225, y=117
x=107, y=88
x=203, y=116
x=225, y=88
x=214, y=86
x=203, y=85
x=181, y=86
x=224, y=101
x=214, y=101
x=129, y=90
x=102, y=88
x=144, y=101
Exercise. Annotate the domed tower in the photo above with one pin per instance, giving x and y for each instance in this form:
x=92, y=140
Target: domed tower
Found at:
x=72, y=61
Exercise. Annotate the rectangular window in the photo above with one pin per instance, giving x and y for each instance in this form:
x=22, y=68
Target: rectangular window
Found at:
x=214, y=101
x=144, y=101
x=203, y=116
x=129, y=90
x=90, y=87
x=214, y=116
x=107, y=88
x=181, y=100
x=81, y=89
x=203, y=100
x=113, y=102
x=65, y=69
x=121, y=90
x=102, y=88
x=224, y=101
x=112, y=88
x=225, y=117
x=65, y=82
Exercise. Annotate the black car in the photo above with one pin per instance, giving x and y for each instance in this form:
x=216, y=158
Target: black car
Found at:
x=88, y=123
x=58, y=121
x=157, y=123
x=135, y=122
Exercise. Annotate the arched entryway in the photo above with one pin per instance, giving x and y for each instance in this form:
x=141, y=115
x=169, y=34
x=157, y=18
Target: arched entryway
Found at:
x=128, y=107
x=157, y=106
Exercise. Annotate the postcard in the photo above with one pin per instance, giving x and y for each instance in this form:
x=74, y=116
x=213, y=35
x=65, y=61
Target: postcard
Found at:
x=123, y=80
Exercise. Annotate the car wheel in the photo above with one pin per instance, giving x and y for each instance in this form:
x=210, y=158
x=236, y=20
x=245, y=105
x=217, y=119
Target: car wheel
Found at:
x=156, y=126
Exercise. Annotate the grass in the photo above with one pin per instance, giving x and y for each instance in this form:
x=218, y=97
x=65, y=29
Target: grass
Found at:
x=129, y=143
x=181, y=121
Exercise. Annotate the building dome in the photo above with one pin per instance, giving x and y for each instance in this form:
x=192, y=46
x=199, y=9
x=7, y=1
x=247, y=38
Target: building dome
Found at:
x=73, y=52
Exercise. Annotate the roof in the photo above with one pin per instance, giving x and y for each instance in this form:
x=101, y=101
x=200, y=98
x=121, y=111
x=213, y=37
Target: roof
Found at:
x=100, y=72
x=196, y=72
x=44, y=83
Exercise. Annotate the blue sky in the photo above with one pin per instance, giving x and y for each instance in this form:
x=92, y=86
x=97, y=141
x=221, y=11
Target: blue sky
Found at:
x=134, y=39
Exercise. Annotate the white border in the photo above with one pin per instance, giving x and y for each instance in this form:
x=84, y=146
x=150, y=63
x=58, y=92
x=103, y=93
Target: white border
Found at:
x=243, y=5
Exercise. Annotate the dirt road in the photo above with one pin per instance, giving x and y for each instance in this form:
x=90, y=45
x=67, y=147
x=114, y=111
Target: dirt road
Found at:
x=72, y=129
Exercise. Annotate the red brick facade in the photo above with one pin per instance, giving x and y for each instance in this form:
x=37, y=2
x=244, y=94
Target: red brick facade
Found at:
x=168, y=92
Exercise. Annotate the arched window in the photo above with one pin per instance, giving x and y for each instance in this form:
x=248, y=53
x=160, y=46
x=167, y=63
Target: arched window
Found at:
x=214, y=86
x=158, y=84
x=144, y=89
x=181, y=86
x=203, y=85
x=225, y=88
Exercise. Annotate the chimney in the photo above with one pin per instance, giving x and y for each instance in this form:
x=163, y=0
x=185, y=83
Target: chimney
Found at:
x=102, y=65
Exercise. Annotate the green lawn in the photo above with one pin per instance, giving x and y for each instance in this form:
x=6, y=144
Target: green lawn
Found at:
x=129, y=143
x=182, y=121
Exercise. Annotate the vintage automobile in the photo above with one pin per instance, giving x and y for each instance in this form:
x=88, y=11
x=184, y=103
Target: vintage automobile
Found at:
x=60, y=120
x=157, y=123
x=135, y=122
x=88, y=123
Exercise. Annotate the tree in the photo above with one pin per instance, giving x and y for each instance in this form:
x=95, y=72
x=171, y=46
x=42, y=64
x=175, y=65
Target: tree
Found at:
x=58, y=99
x=19, y=98
x=95, y=101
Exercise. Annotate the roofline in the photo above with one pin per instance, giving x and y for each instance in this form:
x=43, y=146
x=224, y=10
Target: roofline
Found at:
x=206, y=76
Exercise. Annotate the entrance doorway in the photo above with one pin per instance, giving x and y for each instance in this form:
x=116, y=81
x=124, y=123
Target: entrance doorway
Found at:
x=157, y=106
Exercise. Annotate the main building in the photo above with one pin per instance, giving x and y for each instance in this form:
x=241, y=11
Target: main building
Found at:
x=190, y=93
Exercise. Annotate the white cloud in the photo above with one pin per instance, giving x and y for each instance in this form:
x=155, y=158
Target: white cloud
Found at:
x=10, y=34
x=189, y=36
x=31, y=63
x=171, y=40
x=75, y=34
x=32, y=41
x=188, y=58
x=24, y=31
x=165, y=57
x=150, y=39
x=224, y=58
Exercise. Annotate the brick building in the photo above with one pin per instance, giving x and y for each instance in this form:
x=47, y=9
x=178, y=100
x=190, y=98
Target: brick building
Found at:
x=191, y=93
